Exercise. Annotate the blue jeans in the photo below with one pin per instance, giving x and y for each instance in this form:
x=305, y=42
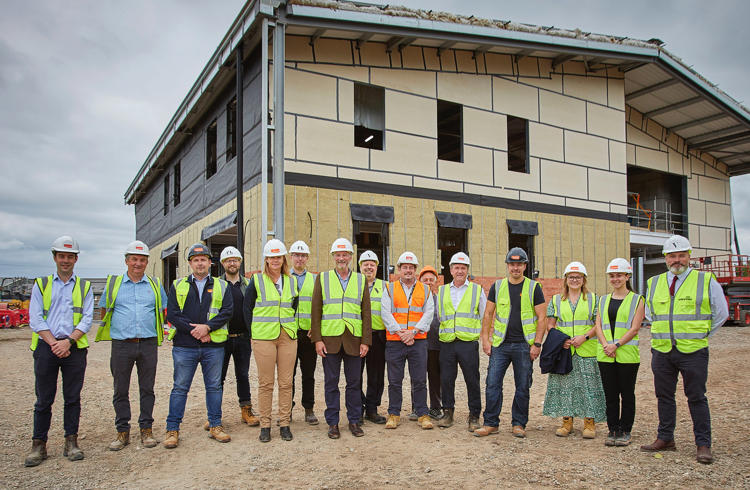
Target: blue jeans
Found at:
x=186, y=360
x=516, y=353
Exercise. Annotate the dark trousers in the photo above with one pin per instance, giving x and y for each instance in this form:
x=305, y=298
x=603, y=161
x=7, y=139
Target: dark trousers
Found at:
x=306, y=359
x=396, y=355
x=618, y=381
x=124, y=355
x=694, y=370
x=464, y=354
x=239, y=349
x=433, y=378
x=46, y=367
x=331, y=374
x=375, y=362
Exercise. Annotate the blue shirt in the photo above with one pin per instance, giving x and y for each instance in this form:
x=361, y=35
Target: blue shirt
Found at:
x=200, y=284
x=60, y=316
x=133, y=315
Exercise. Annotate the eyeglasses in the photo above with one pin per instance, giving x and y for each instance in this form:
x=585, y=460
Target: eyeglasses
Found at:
x=575, y=278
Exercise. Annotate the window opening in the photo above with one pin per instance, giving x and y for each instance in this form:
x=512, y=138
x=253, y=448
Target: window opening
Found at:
x=450, y=131
x=369, y=116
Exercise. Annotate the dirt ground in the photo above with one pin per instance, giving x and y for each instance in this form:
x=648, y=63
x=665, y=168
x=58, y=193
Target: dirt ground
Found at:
x=406, y=457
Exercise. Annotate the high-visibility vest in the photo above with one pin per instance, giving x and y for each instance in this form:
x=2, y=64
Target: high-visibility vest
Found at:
x=626, y=353
x=182, y=287
x=273, y=310
x=463, y=322
x=80, y=290
x=304, y=306
x=407, y=313
x=578, y=322
x=376, y=295
x=502, y=311
x=683, y=320
x=341, y=309
x=113, y=287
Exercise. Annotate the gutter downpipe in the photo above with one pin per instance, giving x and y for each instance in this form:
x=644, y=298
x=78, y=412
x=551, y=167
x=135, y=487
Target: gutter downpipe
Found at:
x=263, y=139
x=239, y=139
x=279, y=33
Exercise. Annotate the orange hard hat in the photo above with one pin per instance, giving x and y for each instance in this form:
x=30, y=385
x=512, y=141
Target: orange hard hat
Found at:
x=426, y=269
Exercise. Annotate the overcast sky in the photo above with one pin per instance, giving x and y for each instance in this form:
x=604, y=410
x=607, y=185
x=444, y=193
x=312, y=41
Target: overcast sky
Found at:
x=87, y=87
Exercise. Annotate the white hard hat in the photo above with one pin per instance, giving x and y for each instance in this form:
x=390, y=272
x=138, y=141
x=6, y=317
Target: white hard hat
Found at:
x=299, y=247
x=137, y=248
x=65, y=243
x=407, y=258
x=342, y=245
x=368, y=255
x=274, y=248
x=230, y=253
x=619, y=265
x=676, y=243
x=460, y=258
x=576, y=267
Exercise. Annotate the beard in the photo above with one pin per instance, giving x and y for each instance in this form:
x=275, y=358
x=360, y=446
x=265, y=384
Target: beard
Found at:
x=677, y=269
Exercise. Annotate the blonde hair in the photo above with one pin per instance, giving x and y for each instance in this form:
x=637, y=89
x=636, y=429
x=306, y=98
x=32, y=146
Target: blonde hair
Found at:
x=566, y=290
x=284, y=267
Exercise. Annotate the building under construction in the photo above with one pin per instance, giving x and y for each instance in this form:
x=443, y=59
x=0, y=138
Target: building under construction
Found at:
x=411, y=130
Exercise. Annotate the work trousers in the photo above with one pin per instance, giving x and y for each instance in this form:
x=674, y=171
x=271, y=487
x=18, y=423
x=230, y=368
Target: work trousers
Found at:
x=375, y=363
x=396, y=355
x=144, y=355
x=239, y=349
x=331, y=376
x=464, y=354
x=694, y=370
x=306, y=359
x=618, y=381
x=185, y=361
x=46, y=367
x=433, y=378
x=272, y=356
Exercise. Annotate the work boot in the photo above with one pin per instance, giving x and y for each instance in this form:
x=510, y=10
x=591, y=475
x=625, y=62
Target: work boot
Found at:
x=38, y=453
x=436, y=414
x=611, y=439
x=485, y=431
x=589, y=428
x=425, y=422
x=123, y=439
x=172, y=440
x=472, y=423
x=286, y=433
x=248, y=417
x=147, y=438
x=659, y=445
x=310, y=417
x=703, y=455
x=375, y=418
x=356, y=430
x=393, y=421
x=265, y=434
x=623, y=439
x=217, y=432
x=206, y=425
x=447, y=420
x=519, y=431
x=413, y=416
x=566, y=428
x=71, y=449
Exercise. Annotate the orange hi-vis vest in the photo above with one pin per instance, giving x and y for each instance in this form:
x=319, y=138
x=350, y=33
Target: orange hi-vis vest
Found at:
x=407, y=313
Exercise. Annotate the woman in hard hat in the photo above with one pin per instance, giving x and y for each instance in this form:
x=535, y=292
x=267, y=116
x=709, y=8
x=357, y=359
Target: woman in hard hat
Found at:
x=578, y=393
x=617, y=323
x=269, y=310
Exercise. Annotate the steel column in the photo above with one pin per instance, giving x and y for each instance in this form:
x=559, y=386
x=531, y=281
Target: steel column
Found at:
x=279, y=33
x=239, y=145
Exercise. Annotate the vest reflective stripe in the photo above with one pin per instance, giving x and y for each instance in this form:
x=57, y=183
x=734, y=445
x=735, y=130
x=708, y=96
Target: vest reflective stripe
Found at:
x=577, y=322
x=376, y=295
x=502, y=311
x=341, y=309
x=80, y=290
x=113, y=287
x=683, y=320
x=626, y=353
x=463, y=322
x=182, y=287
x=273, y=310
x=407, y=311
x=304, y=307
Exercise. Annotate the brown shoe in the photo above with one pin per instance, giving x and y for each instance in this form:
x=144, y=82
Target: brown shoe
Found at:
x=659, y=445
x=71, y=449
x=122, y=440
x=147, y=438
x=356, y=430
x=248, y=417
x=333, y=432
x=310, y=417
x=519, y=431
x=217, y=432
x=486, y=430
x=703, y=455
x=38, y=453
x=425, y=422
x=172, y=440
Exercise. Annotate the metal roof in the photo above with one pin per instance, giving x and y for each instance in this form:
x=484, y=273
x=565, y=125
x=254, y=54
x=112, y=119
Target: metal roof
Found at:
x=657, y=84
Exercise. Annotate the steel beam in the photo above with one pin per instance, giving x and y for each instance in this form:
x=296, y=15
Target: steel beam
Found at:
x=651, y=88
x=673, y=107
x=279, y=55
x=316, y=35
x=703, y=137
x=559, y=60
x=739, y=169
x=264, y=153
x=240, y=150
x=698, y=122
x=719, y=143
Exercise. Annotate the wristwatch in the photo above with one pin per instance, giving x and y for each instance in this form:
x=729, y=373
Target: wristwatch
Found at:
x=72, y=342
x=537, y=344
x=587, y=337
x=617, y=344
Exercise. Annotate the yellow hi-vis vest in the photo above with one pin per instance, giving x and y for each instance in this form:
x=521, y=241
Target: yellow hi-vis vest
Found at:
x=182, y=287
x=376, y=295
x=502, y=311
x=577, y=323
x=341, y=309
x=80, y=290
x=626, y=353
x=113, y=287
x=683, y=320
x=463, y=322
x=272, y=310
x=304, y=306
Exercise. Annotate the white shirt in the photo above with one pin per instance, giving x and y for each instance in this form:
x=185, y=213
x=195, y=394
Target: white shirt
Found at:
x=392, y=325
x=457, y=294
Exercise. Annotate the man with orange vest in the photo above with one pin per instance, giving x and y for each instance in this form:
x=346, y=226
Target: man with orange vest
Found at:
x=407, y=310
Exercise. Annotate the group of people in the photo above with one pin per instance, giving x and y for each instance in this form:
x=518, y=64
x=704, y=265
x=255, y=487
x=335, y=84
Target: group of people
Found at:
x=288, y=317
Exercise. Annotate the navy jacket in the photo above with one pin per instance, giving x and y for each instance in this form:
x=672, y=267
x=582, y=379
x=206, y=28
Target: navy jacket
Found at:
x=554, y=358
x=195, y=312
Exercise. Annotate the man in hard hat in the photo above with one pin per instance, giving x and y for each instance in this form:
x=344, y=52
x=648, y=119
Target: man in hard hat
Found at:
x=132, y=311
x=684, y=306
x=341, y=329
x=60, y=313
x=460, y=306
x=512, y=332
x=375, y=359
x=429, y=276
x=307, y=358
x=407, y=311
x=199, y=307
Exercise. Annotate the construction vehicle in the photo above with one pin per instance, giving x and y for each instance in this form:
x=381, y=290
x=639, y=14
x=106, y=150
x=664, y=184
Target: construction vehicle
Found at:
x=733, y=273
